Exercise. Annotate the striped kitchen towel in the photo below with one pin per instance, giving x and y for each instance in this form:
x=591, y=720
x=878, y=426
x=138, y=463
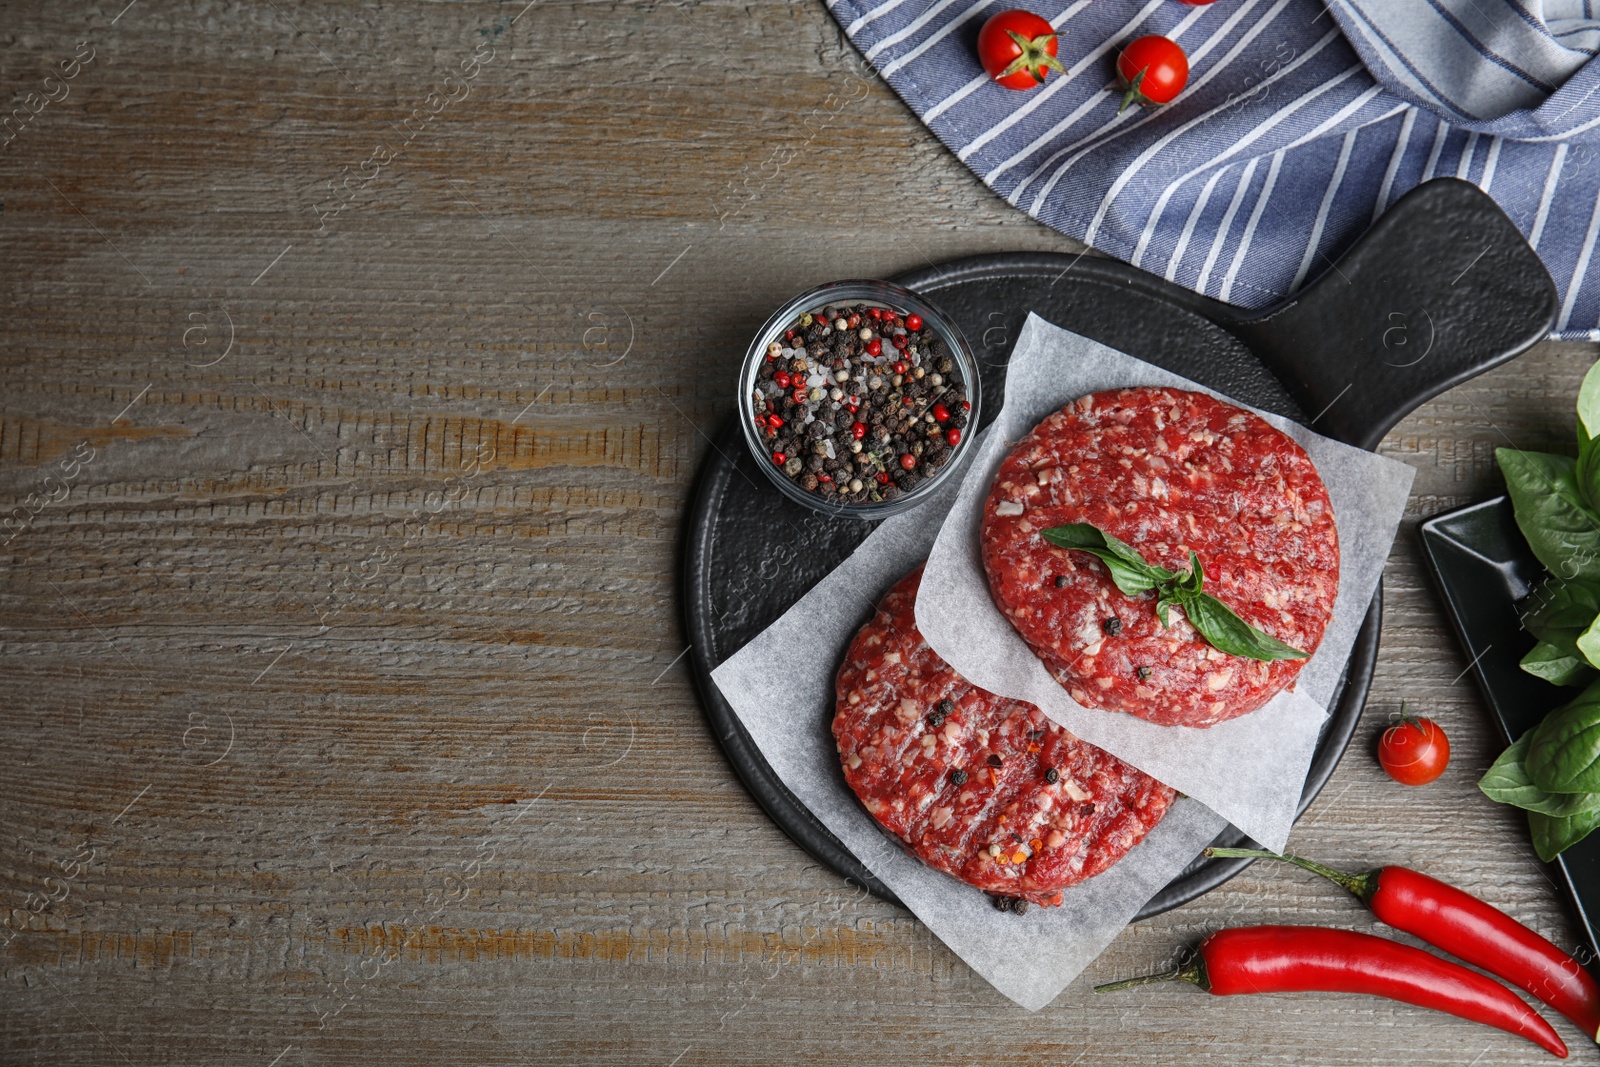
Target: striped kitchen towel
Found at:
x=1301, y=123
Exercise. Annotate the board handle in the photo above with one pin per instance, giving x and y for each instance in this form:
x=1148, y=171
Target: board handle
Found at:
x=1441, y=288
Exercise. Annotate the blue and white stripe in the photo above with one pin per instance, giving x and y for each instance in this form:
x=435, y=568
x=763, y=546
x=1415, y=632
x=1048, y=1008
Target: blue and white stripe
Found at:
x=1297, y=130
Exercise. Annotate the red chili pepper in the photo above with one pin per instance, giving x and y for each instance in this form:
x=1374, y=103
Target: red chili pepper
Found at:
x=1467, y=928
x=1306, y=959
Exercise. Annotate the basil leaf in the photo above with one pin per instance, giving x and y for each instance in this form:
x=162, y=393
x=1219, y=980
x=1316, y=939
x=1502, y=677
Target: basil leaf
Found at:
x=1218, y=624
x=1128, y=569
x=1553, y=835
x=1507, y=782
x=1588, y=643
x=1564, y=750
x=1558, y=611
x=1556, y=665
x=1189, y=584
x=1587, y=472
x=1589, y=405
x=1551, y=512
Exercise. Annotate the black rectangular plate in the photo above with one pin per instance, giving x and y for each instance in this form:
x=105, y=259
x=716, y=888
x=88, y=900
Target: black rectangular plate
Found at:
x=1482, y=567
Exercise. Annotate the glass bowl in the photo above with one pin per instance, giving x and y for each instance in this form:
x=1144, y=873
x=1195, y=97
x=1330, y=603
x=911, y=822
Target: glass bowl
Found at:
x=874, y=294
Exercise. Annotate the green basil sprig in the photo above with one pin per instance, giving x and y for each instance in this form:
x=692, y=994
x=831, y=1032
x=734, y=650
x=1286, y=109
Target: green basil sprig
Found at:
x=1553, y=771
x=1211, y=618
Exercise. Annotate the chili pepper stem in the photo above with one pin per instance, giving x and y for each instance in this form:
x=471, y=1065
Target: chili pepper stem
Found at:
x=1191, y=974
x=1362, y=886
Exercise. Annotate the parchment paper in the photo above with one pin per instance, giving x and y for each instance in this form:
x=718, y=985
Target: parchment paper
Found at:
x=1250, y=769
x=788, y=713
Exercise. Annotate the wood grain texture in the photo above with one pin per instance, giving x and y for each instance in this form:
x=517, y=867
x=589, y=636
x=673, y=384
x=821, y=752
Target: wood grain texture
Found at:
x=343, y=717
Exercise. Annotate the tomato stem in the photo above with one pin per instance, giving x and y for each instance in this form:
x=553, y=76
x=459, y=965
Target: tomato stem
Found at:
x=1361, y=886
x=1033, y=57
x=1134, y=93
x=1408, y=720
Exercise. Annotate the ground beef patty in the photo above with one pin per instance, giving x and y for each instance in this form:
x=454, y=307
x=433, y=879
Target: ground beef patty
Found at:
x=1166, y=471
x=981, y=787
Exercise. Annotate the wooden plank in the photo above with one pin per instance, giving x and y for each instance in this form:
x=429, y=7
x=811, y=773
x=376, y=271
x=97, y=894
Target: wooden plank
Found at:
x=345, y=717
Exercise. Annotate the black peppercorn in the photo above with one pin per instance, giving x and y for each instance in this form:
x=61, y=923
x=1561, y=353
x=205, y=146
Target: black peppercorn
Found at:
x=1144, y=674
x=1112, y=626
x=1019, y=907
x=1088, y=809
x=936, y=718
x=1002, y=903
x=1052, y=775
x=958, y=777
x=994, y=759
x=1061, y=581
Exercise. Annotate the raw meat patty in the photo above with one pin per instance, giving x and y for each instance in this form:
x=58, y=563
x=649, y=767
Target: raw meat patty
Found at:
x=1166, y=471
x=909, y=727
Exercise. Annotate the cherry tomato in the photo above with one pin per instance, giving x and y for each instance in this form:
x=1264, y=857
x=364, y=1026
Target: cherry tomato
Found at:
x=1153, y=70
x=1415, y=752
x=1018, y=48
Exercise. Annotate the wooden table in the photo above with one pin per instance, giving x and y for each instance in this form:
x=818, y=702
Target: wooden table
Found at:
x=358, y=363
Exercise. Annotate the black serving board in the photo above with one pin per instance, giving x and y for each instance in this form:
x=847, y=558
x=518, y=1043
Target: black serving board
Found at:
x=1483, y=566
x=1441, y=288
